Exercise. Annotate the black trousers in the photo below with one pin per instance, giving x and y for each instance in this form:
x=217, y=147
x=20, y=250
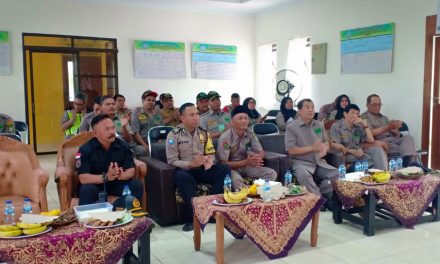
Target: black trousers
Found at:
x=187, y=180
x=89, y=193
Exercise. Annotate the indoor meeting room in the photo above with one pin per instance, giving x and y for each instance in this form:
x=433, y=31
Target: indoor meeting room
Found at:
x=220, y=131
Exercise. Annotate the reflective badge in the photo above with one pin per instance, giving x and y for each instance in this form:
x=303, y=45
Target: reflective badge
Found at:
x=318, y=130
x=227, y=119
x=209, y=147
x=136, y=203
x=221, y=127
x=78, y=160
x=171, y=141
x=202, y=138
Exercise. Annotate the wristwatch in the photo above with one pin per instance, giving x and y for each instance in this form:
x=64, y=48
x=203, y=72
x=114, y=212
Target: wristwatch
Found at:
x=104, y=177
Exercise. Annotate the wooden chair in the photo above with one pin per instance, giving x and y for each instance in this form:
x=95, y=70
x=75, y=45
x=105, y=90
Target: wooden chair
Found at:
x=67, y=180
x=21, y=176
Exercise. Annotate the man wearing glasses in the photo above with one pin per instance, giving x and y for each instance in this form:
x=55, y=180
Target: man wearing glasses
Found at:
x=386, y=130
x=71, y=119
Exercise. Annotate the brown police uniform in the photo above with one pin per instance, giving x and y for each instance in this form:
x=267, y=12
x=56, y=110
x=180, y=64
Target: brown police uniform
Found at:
x=181, y=148
x=310, y=165
x=215, y=122
x=170, y=112
x=141, y=122
x=232, y=147
x=398, y=146
x=352, y=138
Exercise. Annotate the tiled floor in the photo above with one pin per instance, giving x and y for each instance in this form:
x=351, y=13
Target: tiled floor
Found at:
x=343, y=243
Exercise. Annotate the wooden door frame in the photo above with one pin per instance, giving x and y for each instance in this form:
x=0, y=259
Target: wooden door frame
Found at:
x=431, y=23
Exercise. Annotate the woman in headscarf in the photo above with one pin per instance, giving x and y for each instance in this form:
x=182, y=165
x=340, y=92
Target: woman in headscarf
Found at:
x=286, y=114
x=341, y=102
x=254, y=117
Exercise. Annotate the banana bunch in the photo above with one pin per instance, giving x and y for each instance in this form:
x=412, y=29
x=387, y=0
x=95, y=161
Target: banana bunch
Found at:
x=235, y=197
x=253, y=189
x=21, y=228
x=381, y=177
x=54, y=212
x=10, y=231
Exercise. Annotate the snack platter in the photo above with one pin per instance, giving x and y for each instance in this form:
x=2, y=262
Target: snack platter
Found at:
x=49, y=228
x=223, y=203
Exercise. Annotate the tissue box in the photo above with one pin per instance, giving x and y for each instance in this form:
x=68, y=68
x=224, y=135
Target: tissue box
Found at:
x=82, y=211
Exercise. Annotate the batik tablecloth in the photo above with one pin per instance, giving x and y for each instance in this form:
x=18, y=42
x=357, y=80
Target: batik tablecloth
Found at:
x=274, y=227
x=75, y=244
x=406, y=199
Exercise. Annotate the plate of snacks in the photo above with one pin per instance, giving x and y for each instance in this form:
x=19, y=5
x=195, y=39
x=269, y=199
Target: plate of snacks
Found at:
x=103, y=220
x=295, y=190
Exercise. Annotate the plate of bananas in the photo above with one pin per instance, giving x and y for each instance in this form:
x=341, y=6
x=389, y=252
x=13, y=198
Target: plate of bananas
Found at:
x=234, y=198
x=244, y=201
x=22, y=230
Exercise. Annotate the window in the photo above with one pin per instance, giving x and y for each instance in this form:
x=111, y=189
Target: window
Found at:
x=267, y=68
x=299, y=60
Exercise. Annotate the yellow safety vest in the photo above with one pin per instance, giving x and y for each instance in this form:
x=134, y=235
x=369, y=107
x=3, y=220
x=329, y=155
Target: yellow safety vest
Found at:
x=73, y=130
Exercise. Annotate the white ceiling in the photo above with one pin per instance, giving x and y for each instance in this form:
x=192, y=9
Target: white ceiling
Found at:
x=218, y=6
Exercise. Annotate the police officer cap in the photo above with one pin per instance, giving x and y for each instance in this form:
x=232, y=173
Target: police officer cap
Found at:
x=238, y=110
x=201, y=96
x=213, y=94
x=166, y=96
x=149, y=93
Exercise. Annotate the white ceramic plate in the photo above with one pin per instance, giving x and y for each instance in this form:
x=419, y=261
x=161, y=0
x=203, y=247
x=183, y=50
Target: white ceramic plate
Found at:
x=49, y=228
x=249, y=200
x=115, y=225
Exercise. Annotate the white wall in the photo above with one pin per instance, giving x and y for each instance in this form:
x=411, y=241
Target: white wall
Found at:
x=127, y=24
x=322, y=20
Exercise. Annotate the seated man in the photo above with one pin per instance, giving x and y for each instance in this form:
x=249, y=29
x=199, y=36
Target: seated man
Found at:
x=387, y=131
x=306, y=145
x=142, y=120
x=170, y=114
x=71, y=119
x=190, y=149
x=87, y=119
x=347, y=136
x=120, y=107
x=215, y=121
x=6, y=124
x=202, y=103
x=105, y=160
x=326, y=110
x=235, y=101
x=239, y=148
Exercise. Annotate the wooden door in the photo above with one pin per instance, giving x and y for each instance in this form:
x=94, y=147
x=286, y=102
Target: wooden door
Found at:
x=431, y=92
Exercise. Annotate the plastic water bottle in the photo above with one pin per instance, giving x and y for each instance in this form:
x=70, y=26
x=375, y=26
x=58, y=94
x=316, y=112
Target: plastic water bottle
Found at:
x=342, y=171
x=399, y=163
x=266, y=191
x=365, y=166
x=9, y=213
x=392, y=165
x=126, y=191
x=287, y=178
x=228, y=182
x=358, y=166
x=27, y=206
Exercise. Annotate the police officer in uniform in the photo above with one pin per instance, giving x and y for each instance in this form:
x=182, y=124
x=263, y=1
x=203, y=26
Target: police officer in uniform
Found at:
x=190, y=149
x=215, y=121
x=387, y=131
x=347, y=136
x=142, y=120
x=202, y=103
x=71, y=120
x=306, y=145
x=87, y=118
x=170, y=114
x=239, y=148
x=105, y=160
